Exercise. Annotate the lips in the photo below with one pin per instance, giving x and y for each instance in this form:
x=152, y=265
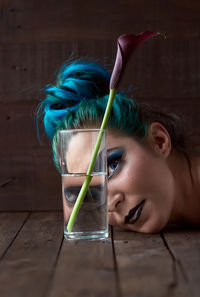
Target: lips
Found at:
x=134, y=213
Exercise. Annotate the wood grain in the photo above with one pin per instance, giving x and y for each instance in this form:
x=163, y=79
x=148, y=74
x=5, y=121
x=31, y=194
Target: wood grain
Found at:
x=35, y=21
x=161, y=68
x=145, y=266
x=37, y=37
x=184, y=244
x=85, y=269
x=34, y=183
x=10, y=225
x=35, y=261
x=27, y=267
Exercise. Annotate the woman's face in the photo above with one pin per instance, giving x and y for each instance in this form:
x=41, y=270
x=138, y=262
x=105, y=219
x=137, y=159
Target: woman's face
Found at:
x=140, y=185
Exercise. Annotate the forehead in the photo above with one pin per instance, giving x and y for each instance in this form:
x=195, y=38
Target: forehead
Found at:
x=118, y=139
x=81, y=148
x=79, y=152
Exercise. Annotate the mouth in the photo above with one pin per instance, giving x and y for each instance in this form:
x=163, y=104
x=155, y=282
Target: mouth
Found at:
x=134, y=213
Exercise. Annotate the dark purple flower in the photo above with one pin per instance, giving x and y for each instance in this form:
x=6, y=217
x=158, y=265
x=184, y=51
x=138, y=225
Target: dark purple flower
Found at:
x=126, y=44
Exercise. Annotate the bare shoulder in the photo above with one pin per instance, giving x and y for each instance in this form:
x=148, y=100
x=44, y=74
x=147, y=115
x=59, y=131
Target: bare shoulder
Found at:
x=195, y=170
x=194, y=197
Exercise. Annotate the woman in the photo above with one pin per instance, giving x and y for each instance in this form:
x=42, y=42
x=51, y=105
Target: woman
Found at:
x=152, y=179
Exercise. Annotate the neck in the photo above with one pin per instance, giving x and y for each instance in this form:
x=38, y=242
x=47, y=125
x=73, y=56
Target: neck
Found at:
x=186, y=173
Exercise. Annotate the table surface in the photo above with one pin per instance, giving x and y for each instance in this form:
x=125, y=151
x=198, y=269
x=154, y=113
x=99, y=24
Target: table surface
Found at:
x=36, y=261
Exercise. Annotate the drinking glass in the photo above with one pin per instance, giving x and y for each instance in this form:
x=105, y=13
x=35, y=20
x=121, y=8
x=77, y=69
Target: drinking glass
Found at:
x=75, y=152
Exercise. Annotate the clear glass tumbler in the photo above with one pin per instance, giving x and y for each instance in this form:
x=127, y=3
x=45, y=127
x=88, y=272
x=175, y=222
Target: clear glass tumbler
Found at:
x=75, y=152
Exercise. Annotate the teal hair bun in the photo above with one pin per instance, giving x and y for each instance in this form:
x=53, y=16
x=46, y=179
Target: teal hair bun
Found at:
x=78, y=81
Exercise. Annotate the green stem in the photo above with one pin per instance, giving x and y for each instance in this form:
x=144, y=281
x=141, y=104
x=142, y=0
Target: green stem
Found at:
x=88, y=178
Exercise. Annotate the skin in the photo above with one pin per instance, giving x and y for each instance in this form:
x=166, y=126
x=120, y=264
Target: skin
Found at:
x=78, y=157
x=152, y=171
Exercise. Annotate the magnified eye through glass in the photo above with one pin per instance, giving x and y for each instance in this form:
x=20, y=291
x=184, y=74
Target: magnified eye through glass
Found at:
x=76, y=149
x=93, y=211
x=94, y=198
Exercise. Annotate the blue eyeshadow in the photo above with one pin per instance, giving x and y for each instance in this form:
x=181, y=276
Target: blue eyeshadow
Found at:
x=115, y=155
x=114, y=161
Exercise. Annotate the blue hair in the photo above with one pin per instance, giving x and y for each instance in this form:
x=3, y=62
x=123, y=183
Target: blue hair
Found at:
x=76, y=82
x=79, y=98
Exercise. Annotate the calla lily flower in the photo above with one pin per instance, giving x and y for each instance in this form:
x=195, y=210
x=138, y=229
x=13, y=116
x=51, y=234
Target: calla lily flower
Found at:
x=127, y=43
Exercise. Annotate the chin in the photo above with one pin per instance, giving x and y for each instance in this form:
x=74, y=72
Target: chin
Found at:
x=153, y=226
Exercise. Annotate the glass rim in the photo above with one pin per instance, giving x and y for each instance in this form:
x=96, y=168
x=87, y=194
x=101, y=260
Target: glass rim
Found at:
x=82, y=130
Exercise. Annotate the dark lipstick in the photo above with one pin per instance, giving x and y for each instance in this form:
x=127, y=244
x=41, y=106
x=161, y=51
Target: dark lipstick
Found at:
x=134, y=213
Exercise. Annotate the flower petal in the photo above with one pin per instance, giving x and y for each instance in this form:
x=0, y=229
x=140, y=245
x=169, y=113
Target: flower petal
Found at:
x=126, y=44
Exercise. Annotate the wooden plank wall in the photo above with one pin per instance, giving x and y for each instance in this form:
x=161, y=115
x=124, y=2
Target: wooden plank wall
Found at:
x=37, y=36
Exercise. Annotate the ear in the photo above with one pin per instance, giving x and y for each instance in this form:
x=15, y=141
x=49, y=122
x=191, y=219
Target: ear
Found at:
x=159, y=139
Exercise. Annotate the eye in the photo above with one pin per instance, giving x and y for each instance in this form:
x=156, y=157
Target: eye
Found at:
x=94, y=197
x=114, y=161
x=71, y=194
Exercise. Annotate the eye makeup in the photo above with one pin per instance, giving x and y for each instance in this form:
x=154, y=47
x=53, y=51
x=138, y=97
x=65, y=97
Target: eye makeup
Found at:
x=71, y=194
x=114, y=160
x=93, y=198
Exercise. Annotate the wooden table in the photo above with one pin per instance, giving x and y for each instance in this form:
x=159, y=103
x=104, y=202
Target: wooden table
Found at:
x=36, y=261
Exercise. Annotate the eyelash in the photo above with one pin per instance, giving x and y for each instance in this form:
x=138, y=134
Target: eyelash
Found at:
x=92, y=199
x=113, y=159
x=71, y=195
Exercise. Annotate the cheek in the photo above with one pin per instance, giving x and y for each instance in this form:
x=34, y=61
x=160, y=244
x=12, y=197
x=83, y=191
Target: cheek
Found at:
x=159, y=202
x=153, y=181
x=147, y=174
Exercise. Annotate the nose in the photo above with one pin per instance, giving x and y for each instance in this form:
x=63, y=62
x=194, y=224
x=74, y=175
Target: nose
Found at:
x=114, y=201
